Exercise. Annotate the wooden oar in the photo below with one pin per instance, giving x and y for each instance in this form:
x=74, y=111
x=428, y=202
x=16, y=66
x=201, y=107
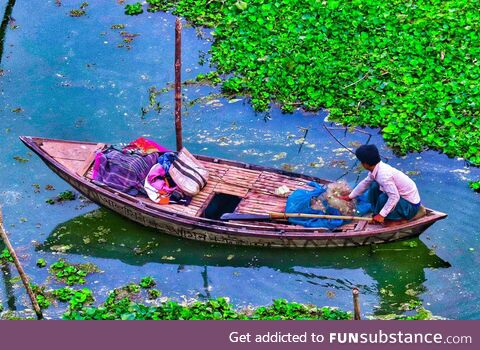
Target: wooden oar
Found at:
x=284, y=216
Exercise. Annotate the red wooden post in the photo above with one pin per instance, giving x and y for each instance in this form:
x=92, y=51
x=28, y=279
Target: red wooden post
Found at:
x=178, y=83
x=356, y=304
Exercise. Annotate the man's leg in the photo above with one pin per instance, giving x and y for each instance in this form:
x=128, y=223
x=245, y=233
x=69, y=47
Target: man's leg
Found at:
x=380, y=203
x=373, y=195
x=403, y=210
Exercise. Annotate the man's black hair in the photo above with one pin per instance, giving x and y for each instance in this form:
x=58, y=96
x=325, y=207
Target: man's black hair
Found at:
x=368, y=154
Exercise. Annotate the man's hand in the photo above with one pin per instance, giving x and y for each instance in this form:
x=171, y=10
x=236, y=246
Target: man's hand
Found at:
x=345, y=198
x=378, y=219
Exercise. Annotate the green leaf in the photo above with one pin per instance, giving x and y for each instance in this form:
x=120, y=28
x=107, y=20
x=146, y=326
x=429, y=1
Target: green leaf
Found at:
x=241, y=5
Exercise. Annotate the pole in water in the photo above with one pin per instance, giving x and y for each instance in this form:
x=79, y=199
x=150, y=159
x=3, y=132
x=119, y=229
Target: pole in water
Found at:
x=22, y=274
x=356, y=304
x=178, y=83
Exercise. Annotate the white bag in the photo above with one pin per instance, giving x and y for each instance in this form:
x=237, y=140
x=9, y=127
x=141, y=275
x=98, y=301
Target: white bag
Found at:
x=189, y=174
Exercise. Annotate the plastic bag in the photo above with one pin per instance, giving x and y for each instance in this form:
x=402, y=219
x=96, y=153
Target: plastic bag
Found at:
x=300, y=202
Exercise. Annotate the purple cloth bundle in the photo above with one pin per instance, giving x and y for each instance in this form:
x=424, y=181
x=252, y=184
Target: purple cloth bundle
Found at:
x=123, y=172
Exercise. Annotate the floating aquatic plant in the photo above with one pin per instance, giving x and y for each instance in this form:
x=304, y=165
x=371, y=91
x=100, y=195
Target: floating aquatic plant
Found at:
x=147, y=282
x=407, y=67
x=133, y=9
x=118, y=26
x=154, y=293
x=121, y=306
x=159, y=5
x=72, y=273
x=41, y=295
x=62, y=197
x=5, y=256
x=475, y=185
x=41, y=263
x=79, y=12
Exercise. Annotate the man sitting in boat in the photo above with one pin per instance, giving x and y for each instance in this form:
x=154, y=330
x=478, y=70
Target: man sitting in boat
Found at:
x=392, y=194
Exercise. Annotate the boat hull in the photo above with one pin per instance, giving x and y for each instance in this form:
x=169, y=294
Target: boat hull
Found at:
x=215, y=235
x=235, y=233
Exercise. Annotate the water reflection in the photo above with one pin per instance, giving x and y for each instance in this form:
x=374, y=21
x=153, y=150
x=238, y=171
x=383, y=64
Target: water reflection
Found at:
x=7, y=17
x=8, y=285
x=397, y=269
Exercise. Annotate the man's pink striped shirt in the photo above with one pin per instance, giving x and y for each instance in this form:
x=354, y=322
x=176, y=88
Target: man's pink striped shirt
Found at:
x=391, y=181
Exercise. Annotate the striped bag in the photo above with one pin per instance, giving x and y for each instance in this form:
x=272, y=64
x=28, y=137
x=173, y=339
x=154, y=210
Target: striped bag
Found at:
x=189, y=175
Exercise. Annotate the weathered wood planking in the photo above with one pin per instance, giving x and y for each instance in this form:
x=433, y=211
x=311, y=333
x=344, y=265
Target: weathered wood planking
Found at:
x=361, y=225
x=67, y=157
x=87, y=164
x=75, y=166
x=256, y=188
x=71, y=157
x=259, y=203
x=59, y=150
x=267, y=183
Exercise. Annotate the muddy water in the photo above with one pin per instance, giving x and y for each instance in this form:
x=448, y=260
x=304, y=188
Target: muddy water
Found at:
x=67, y=78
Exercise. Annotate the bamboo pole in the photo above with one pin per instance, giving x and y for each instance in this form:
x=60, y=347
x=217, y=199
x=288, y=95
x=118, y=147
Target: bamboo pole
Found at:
x=20, y=270
x=318, y=216
x=356, y=304
x=178, y=83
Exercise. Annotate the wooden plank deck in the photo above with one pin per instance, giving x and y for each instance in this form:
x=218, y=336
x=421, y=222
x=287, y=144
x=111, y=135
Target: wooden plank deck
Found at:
x=255, y=187
x=73, y=158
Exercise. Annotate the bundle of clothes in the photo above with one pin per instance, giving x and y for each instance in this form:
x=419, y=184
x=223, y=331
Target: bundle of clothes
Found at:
x=323, y=199
x=143, y=167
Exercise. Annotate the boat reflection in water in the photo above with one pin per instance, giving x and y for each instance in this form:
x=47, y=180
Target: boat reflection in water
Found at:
x=397, y=269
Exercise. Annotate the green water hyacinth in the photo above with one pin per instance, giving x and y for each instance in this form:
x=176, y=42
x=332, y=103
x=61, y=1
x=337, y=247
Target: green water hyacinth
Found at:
x=119, y=307
x=407, y=67
x=71, y=273
x=133, y=9
x=147, y=282
x=5, y=256
x=159, y=5
x=41, y=295
x=475, y=185
x=41, y=263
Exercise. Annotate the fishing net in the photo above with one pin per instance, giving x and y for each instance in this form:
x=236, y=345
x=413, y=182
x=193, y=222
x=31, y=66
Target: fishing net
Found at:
x=323, y=200
x=336, y=189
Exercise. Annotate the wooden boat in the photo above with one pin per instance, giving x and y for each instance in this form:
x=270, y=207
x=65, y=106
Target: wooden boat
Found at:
x=251, y=187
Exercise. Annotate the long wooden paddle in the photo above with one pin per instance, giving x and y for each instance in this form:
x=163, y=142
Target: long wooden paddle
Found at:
x=284, y=216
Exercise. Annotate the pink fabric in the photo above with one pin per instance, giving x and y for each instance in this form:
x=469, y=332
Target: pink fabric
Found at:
x=96, y=165
x=156, y=179
x=146, y=146
x=391, y=181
